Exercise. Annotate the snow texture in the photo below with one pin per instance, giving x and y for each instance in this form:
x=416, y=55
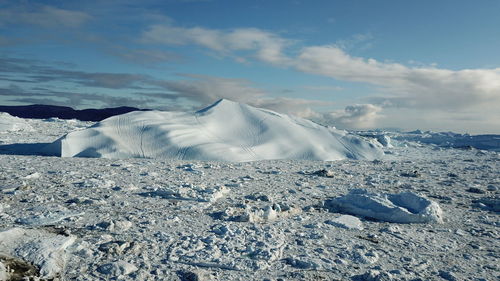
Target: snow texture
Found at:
x=226, y=131
x=404, y=207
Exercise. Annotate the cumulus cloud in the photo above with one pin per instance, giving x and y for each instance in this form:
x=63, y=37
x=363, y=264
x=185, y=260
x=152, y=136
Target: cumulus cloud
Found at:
x=359, y=116
x=43, y=16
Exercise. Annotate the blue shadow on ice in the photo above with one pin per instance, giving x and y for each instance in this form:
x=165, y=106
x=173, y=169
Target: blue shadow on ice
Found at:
x=33, y=149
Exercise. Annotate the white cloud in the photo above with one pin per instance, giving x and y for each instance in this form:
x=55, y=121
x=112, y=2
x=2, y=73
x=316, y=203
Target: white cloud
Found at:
x=333, y=62
x=426, y=88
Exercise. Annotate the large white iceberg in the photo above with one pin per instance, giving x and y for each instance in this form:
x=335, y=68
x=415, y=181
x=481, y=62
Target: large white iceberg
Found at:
x=225, y=131
x=406, y=207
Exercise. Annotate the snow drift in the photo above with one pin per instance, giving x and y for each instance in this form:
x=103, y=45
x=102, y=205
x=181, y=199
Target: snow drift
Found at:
x=225, y=131
x=405, y=207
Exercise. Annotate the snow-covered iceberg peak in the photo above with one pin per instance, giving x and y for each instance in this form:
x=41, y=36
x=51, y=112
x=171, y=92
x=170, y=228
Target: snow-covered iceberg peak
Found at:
x=224, y=131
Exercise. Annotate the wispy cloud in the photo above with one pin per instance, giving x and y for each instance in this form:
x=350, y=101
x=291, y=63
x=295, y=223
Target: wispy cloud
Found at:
x=42, y=16
x=264, y=45
x=35, y=71
x=144, y=56
x=204, y=89
x=40, y=95
x=33, y=81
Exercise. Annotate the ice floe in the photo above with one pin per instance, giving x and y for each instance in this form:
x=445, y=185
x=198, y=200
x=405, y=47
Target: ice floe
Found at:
x=406, y=207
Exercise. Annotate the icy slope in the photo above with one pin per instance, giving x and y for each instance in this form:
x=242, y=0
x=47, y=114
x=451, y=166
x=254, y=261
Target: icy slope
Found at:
x=226, y=131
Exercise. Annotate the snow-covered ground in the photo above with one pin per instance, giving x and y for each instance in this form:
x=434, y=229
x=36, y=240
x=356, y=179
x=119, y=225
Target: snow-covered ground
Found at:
x=161, y=219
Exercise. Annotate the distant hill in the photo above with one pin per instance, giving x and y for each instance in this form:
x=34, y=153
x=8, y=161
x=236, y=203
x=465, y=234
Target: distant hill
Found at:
x=40, y=111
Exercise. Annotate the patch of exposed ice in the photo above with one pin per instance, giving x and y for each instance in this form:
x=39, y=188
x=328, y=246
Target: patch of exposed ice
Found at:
x=347, y=221
x=117, y=269
x=48, y=216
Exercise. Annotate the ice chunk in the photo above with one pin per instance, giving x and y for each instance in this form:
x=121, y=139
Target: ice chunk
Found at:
x=40, y=248
x=404, y=207
x=384, y=141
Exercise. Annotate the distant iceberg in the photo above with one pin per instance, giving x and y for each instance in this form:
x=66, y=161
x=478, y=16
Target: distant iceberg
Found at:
x=9, y=123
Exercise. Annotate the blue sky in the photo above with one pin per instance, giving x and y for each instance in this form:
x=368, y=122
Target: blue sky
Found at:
x=351, y=64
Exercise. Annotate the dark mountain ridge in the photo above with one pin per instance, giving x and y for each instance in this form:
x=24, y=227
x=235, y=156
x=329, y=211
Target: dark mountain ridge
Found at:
x=41, y=111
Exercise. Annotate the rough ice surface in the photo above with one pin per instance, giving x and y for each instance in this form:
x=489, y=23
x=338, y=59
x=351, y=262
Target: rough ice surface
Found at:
x=169, y=219
x=249, y=134
x=405, y=207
